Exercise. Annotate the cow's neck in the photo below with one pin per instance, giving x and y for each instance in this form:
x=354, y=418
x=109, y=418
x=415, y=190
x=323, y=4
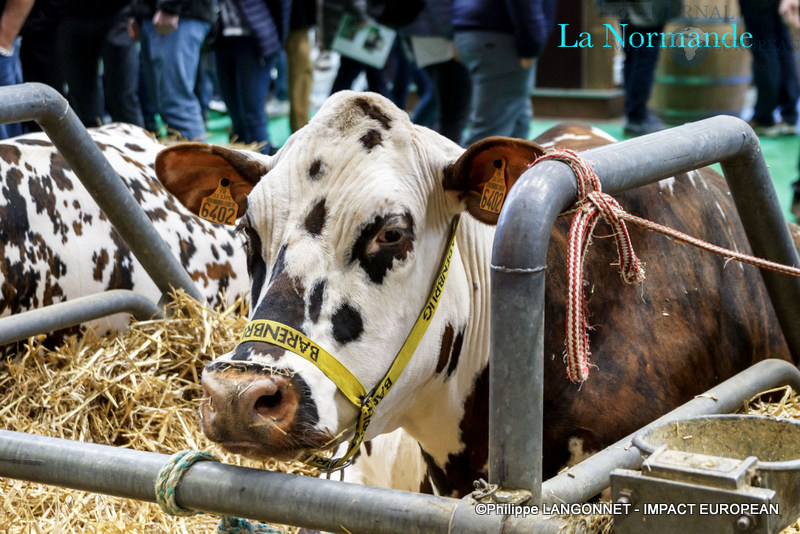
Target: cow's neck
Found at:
x=450, y=419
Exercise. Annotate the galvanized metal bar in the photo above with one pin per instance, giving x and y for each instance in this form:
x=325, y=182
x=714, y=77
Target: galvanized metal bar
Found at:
x=35, y=101
x=519, y=260
x=74, y=312
x=252, y=493
x=590, y=477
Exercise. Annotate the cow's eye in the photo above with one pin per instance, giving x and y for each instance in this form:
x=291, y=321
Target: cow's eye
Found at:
x=390, y=235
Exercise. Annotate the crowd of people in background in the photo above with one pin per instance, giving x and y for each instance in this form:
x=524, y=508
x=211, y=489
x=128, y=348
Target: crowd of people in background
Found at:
x=135, y=60
x=472, y=61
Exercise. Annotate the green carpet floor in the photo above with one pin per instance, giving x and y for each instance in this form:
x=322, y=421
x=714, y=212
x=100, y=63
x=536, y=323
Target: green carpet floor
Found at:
x=781, y=153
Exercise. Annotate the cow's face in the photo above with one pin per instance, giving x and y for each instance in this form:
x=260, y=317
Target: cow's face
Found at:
x=345, y=233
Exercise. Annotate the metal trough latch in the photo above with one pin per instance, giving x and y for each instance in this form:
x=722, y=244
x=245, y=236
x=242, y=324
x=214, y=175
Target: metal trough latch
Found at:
x=687, y=492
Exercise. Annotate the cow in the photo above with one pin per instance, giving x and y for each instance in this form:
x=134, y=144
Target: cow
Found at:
x=56, y=244
x=347, y=230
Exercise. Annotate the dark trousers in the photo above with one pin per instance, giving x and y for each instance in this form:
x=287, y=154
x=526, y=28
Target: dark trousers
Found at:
x=453, y=90
x=349, y=69
x=639, y=71
x=774, y=71
x=83, y=42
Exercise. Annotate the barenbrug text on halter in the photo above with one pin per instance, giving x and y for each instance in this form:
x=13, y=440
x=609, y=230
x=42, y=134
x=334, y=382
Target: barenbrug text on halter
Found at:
x=688, y=38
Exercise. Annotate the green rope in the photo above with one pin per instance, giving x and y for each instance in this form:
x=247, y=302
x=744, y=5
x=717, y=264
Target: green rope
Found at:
x=170, y=476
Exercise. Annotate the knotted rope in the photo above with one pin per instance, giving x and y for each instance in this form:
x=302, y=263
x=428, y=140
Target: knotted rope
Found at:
x=170, y=476
x=592, y=204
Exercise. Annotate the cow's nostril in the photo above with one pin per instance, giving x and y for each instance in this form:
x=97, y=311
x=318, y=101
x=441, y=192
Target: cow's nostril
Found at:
x=268, y=402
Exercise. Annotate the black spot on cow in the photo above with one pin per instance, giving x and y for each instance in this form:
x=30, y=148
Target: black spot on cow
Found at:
x=368, y=448
x=256, y=267
x=454, y=355
x=374, y=112
x=280, y=264
x=371, y=139
x=444, y=350
x=347, y=324
x=378, y=260
x=284, y=302
x=227, y=248
x=316, y=170
x=315, y=301
x=315, y=220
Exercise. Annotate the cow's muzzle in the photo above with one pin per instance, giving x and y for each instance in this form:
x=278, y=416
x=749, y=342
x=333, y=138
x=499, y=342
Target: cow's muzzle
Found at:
x=259, y=412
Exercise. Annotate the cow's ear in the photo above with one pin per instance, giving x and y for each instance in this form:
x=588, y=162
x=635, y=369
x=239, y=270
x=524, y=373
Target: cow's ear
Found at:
x=192, y=171
x=485, y=173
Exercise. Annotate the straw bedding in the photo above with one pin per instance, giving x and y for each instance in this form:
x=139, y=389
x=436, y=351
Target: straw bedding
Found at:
x=140, y=390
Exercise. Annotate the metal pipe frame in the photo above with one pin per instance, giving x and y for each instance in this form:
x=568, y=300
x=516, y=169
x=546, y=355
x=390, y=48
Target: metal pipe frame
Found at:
x=520, y=253
x=216, y=488
x=43, y=104
x=74, y=312
x=340, y=506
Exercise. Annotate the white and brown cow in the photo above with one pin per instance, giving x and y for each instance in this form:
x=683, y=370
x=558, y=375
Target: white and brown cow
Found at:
x=345, y=232
x=56, y=244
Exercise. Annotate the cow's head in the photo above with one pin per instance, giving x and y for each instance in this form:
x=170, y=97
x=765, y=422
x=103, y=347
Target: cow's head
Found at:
x=345, y=228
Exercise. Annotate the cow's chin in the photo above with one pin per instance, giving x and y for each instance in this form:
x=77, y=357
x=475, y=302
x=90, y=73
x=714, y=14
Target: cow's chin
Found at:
x=261, y=452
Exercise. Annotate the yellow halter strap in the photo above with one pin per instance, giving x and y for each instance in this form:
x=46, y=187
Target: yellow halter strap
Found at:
x=288, y=338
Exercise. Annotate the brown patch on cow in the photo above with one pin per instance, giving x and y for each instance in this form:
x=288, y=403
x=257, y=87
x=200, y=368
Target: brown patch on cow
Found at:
x=315, y=220
x=373, y=111
x=368, y=448
x=133, y=147
x=456, y=477
x=316, y=170
x=58, y=170
x=34, y=142
x=371, y=139
x=444, y=350
x=10, y=154
x=77, y=227
x=100, y=263
x=221, y=273
x=121, y=269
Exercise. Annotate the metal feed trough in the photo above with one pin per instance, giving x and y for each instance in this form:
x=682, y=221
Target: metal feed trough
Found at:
x=515, y=439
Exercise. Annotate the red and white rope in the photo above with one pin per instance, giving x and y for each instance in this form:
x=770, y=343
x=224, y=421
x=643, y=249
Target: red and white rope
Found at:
x=591, y=205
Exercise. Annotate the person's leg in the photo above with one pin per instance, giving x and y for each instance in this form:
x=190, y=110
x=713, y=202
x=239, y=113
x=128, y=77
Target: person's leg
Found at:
x=226, y=57
x=79, y=43
x=349, y=69
x=10, y=74
x=301, y=78
x=789, y=84
x=175, y=59
x=454, y=94
x=501, y=95
x=766, y=66
x=121, y=75
x=640, y=67
x=253, y=81
x=427, y=108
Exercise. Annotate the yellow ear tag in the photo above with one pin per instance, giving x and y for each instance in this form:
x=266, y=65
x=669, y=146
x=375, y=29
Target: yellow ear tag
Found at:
x=494, y=192
x=219, y=206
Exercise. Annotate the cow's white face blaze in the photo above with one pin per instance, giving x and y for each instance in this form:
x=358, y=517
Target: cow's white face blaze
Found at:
x=345, y=234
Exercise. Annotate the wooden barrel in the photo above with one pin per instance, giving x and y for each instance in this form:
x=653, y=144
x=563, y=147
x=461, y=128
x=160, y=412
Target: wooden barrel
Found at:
x=715, y=86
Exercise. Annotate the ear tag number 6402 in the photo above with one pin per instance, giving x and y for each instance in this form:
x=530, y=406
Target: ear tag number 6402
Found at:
x=219, y=206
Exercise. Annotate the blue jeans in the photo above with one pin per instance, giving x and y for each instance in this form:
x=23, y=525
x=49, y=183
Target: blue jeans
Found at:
x=638, y=73
x=501, y=88
x=10, y=74
x=171, y=63
x=244, y=80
